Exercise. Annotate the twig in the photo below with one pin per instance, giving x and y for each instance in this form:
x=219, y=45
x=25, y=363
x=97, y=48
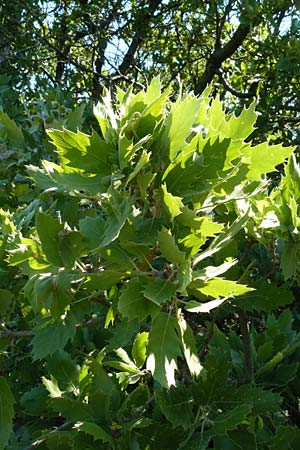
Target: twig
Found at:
x=40, y=441
x=16, y=334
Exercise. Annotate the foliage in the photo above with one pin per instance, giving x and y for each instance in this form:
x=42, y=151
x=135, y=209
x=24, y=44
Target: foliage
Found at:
x=130, y=275
x=248, y=48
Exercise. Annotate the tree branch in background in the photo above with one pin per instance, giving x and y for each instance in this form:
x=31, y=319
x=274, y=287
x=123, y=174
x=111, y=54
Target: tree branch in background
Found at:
x=141, y=27
x=220, y=55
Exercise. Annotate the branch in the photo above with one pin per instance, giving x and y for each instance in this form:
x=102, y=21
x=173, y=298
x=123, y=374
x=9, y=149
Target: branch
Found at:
x=40, y=441
x=141, y=28
x=217, y=58
x=16, y=334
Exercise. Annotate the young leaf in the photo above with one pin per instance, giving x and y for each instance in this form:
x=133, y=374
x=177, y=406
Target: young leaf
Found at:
x=163, y=349
x=52, y=387
x=173, y=204
x=6, y=412
x=139, y=348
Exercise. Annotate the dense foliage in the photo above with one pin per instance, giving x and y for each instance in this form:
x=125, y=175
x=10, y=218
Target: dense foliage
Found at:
x=247, y=48
x=149, y=267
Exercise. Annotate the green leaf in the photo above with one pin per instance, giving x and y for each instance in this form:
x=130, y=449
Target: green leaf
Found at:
x=273, y=155
x=133, y=304
x=13, y=132
x=6, y=412
x=53, y=336
x=179, y=124
x=229, y=420
x=163, y=349
x=176, y=404
x=92, y=229
x=286, y=438
x=52, y=387
x=103, y=280
x=168, y=247
x=196, y=307
x=80, y=150
x=266, y=297
x=52, y=293
x=94, y=430
x=142, y=162
x=63, y=368
x=139, y=348
x=48, y=229
x=53, y=177
x=173, y=204
x=223, y=239
x=115, y=223
x=218, y=287
x=75, y=119
x=189, y=347
x=212, y=387
x=240, y=127
x=159, y=291
x=34, y=401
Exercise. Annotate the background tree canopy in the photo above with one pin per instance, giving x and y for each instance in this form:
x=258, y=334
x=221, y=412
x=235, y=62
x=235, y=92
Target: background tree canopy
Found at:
x=247, y=48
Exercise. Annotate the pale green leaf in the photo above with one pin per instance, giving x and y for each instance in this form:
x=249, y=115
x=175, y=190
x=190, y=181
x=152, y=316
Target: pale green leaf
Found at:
x=196, y=307
x=223, y=239
x=52, y=387
x=139, y=348
x=263, y=158
x=212, y=272
x=172, y=203
x=13, y=132
x=217, y=287
x=179, y=124
x=240, y=127
x=142, y=162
